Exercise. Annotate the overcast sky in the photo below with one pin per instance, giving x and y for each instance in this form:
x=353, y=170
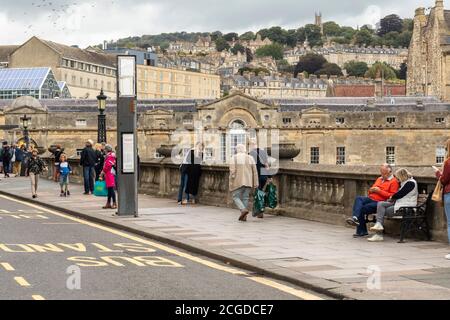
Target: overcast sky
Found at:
x=90, y=22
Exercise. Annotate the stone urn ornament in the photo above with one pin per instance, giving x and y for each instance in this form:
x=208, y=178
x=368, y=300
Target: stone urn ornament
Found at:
x=286, y=151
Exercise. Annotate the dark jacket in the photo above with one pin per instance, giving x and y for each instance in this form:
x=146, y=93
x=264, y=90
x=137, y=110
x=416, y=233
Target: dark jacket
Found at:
x=88, y=157
x=19, y=155
x=7, y=155
x=58, y=156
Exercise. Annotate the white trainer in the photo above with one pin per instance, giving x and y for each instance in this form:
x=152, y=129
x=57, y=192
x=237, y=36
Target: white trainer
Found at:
x=377, y=227
x=376, y=238
x=447, y=257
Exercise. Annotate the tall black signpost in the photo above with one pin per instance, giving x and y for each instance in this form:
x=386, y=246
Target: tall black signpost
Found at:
x=127, y=136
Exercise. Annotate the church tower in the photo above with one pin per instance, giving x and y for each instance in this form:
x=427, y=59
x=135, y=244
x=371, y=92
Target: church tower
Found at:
x=318, y=21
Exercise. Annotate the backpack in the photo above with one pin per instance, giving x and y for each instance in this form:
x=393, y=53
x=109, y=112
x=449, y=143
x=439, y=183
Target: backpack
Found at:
x=64, y=169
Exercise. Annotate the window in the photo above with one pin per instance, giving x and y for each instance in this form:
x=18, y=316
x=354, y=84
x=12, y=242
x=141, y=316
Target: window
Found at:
x=390, y=155
x=440, y=120
x=440, y=155
x=209, y=154
x=391, y=120
x=315, y=155
x=340, y=120
x=81, y=123
x=340, y=155
x=158, y=156
x=287, y=120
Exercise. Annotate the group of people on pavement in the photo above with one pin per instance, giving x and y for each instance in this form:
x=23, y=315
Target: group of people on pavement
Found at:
x=99, y=162
x=392, y=191
x=13, y=158
x=247, y=173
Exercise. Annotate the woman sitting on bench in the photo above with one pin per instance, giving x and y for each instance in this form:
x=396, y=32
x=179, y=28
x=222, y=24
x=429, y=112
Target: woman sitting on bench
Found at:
x=405, y=197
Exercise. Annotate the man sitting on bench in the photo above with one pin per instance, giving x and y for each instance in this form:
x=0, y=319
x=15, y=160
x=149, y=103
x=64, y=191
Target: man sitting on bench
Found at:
x=383, y=189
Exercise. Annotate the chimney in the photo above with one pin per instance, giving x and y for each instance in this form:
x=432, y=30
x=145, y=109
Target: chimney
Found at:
x=440, y=9
x=420, y=12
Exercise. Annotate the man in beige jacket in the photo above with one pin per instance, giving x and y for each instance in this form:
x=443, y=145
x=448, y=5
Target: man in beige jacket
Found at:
x=243, y=178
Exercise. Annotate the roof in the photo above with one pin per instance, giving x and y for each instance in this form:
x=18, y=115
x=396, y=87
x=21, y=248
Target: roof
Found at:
x=5, y=51
x=108, y=60
x=23, y=78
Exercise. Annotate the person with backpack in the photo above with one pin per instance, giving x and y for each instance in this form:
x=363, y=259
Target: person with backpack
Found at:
x=64, y=171
x=109, y=175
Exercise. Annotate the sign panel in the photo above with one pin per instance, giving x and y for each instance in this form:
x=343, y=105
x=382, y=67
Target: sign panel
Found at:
x=126, y=73
x=128, y=153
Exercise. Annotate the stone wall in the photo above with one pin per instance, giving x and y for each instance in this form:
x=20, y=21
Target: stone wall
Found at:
x=322, y=193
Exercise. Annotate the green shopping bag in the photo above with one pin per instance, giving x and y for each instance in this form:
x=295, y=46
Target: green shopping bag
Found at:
x=271, y=199
x=100, y=189
x=258, y=202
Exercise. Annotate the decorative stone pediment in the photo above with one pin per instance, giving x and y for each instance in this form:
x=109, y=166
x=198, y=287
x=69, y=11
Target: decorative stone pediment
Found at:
x=315, y=111
x=159, y=112
x=26, y=104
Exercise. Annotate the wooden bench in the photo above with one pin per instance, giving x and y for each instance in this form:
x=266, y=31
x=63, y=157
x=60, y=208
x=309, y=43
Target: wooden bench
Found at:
x=411, y=218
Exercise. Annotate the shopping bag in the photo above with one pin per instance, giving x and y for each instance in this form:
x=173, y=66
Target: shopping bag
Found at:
x=271, y=199
x=258, y=202
x=437, y=194
x=100, y=189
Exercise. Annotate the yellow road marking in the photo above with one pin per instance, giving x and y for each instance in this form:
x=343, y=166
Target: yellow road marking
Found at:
x=21, y=281
x=38, y=297
x=213, y=265
x=295, y=292
x=7, y=266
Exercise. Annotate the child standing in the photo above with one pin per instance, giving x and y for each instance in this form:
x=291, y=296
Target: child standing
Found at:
x=64, y=170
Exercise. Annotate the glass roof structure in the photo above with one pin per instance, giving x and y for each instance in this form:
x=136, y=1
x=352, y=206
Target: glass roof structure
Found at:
x=39, y=83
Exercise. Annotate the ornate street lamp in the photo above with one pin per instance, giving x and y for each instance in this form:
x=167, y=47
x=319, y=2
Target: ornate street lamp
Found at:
x=101, y=117
x=25, y=122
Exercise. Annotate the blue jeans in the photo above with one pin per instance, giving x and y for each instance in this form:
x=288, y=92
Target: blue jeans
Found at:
x=182, y=189
x=447, y=212
x=362, y=207
x=241, y=197
x=88, y=176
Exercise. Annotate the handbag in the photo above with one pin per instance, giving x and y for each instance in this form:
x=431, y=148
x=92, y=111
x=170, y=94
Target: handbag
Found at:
x=259, y=202
x=271, y=200
x=438, y=192
x=100, y=189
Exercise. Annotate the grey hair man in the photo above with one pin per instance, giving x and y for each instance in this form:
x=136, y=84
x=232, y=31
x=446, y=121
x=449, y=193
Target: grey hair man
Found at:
x=383, y=189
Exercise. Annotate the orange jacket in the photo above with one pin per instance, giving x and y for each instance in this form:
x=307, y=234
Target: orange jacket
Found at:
x=387, y=187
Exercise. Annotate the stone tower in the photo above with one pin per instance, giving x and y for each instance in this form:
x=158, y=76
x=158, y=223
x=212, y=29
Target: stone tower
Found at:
x=318, y=21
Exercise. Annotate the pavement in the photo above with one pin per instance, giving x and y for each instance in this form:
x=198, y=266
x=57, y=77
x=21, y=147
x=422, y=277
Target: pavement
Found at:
x=314, y=256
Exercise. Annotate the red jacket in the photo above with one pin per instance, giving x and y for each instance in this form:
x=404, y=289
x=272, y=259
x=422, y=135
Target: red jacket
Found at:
x=387, y=187
x=445, y=177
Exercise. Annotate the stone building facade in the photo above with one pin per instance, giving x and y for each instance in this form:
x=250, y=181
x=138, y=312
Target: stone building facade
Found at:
x=429, y=56
x=84, y=71
x=325, y=131
x=341, y=54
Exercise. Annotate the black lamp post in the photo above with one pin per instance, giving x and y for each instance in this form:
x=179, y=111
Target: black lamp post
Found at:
x=25, y=122
x=101, y=117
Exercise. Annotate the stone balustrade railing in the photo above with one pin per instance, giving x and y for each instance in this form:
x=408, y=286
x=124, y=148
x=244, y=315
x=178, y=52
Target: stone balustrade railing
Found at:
x=319, y=193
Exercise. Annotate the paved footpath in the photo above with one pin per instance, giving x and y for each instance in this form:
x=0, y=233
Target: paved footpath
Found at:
x=315, y=254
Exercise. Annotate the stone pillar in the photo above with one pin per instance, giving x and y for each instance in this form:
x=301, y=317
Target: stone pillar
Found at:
x=350, y=193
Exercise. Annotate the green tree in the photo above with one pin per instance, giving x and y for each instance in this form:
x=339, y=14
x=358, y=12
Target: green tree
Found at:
x=314, y=35
x=390, y=23
x=363, y=38
x=404, y=39
x=311, y=63
x=275, y=34
x=284, y=66
x=368, y=28
x=408, y=24
x=238, y=48
x=331, y=28
x=402, y=73
x=379, y=69
x=222, y=44
x=216, y=35
x=247, y=36
x=330, y=69
x=356, y=68
x=348, y=33
x=274, y=50
x=230, y=36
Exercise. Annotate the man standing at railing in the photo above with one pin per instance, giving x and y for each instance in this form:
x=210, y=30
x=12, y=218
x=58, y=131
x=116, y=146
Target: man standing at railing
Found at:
x=88, y=159
x=384, y=188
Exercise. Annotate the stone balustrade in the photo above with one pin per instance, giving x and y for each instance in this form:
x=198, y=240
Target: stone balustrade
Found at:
x=319, y=193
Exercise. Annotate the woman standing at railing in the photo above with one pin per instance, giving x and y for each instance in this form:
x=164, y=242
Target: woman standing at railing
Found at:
x=444, y=178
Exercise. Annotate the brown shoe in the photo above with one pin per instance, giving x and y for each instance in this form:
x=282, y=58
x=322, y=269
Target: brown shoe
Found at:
x=243, y=216
x=108, y=206
x=261, y=216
